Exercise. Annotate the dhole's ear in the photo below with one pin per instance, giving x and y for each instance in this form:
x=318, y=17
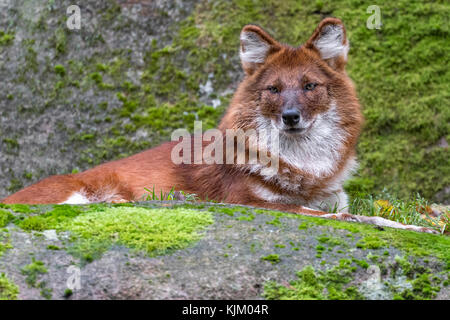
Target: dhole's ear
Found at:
x=330, y=41
x=256, y=46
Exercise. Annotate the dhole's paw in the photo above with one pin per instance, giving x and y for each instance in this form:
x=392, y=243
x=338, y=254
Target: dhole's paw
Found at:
x=118, y=201
x=342, y=216
x=382, y=222
x=421, y=229
x=378, y=221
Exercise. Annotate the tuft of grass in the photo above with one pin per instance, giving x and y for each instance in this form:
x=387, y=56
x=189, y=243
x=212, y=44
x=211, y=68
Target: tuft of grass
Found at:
x=151, y=195
x=415, y=211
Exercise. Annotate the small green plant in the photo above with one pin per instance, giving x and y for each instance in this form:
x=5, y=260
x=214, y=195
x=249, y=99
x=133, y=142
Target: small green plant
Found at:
x=151, y=195
x=60, y=70
x=5, y=218
x=6, y=38
x=67, y=293
x=272, y=258
x=414, y=211
x=32, y=271
x=311, y=284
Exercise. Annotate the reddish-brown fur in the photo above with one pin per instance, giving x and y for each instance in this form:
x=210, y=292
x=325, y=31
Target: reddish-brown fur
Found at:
x=286, y=67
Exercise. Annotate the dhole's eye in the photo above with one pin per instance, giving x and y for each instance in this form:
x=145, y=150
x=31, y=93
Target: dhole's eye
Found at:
x=273, y=89
x=310, y=86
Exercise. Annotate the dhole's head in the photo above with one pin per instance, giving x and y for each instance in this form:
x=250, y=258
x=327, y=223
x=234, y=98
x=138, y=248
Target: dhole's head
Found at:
x=297, y=90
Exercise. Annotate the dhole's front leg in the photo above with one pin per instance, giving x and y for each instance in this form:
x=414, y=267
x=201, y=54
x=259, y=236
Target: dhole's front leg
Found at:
x=343, y=216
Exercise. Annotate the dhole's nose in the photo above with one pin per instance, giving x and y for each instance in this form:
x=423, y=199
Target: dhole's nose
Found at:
x=291, y=117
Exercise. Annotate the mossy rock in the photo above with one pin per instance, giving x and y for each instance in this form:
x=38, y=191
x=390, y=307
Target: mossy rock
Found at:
x=177, y=250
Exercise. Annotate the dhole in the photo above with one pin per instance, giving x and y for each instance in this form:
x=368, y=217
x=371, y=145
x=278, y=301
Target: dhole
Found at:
x=303, y=92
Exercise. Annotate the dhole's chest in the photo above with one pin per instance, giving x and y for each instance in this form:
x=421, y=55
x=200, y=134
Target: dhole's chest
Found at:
x=291, y=185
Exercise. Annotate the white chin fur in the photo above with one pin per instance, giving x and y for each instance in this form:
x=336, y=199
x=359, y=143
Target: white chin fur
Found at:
x=317, y=152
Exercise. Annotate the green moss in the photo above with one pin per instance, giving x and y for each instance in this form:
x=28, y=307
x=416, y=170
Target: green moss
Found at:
x=60, y=40
x=97, y=77
x=60, y=70
x=36, y=223
x=5, y=243
x=5, y=218
x=372, y=257
x=276, y=222
x=154, y=231
x=320, y=248
x=422, y=288
x=32, y=271
x=51, y=219
x=371, y=242
x=272, y=258
x=330, y=241
x=11, y=143
x=28, y=175
x=46, y=292
x=303, y=226
x=227, y=211
x=31, y=63
x=249, y=217
x=102, y=67
x=88, y=136
x=15, y=185
x=20, y=208
x=409, y=267
x=362, y=263
x=316, y=285
x=6, y=38
x=8, y=290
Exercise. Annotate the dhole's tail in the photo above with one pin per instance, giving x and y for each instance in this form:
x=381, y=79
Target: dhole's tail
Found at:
x=73, y=189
